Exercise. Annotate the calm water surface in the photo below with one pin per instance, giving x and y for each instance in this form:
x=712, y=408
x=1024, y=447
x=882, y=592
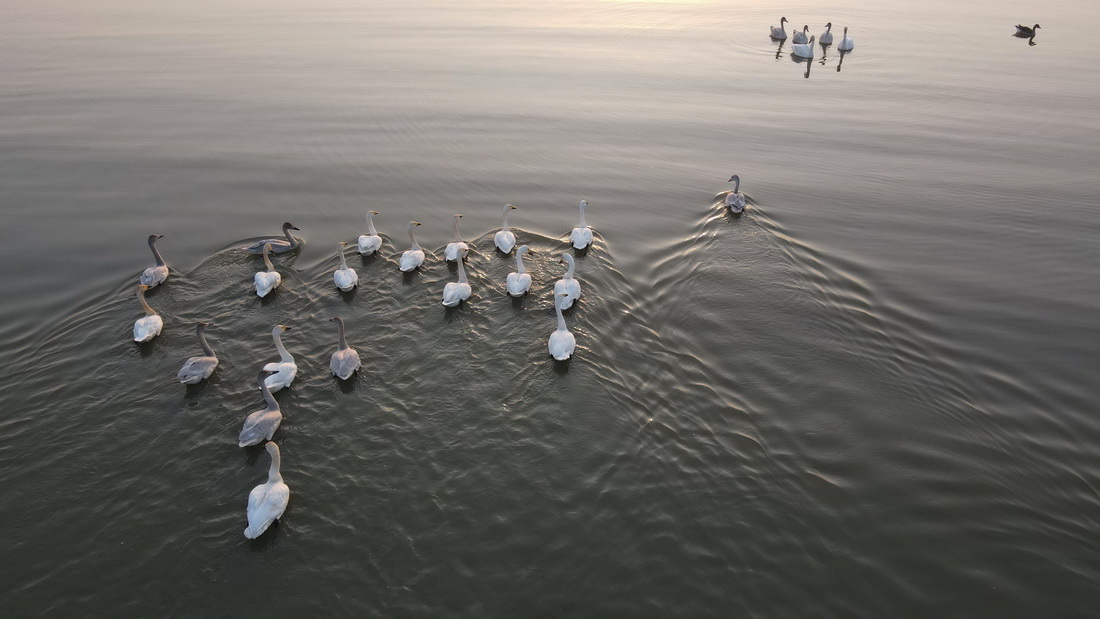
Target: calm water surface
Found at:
x=871, y=395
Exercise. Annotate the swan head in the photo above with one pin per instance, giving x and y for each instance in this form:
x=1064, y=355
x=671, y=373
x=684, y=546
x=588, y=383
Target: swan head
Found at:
x=734, y=179
x=509, y=207
x=829, y=25
x=289, y=226
x=282, y=327
x=373, y=212
x=204, y=324
x=142, y=288
x=1036, y=27
x=337, y=320
x=781, y=20
x=458, y=216
x=523, y=249
x=566, y=259
x=845, y=30
x=583, y=203
x=153, y=237
x=343, y=243
x=271, y=448
x=413, y=224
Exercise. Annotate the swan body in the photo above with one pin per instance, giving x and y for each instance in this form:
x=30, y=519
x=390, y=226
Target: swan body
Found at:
x=148, y=326
x=519, y=283
x=567, y=285
x=804, y=50
x=505, y=240
x=581, y=237
x=156, y=274
x=1024, y=31
x=370, y=242
x=413, y=257
x=847, y=44
x=457, y=292
x=260, y=426
x=780, y=33
x=197, y=369
x=345, y=361
x=826, y=37
x=735, y=200
x=561, y=343
x=268, y=280
x=800, y=37
x=279, y=246
x=268, y=501
x=345, y=278
x=456, y=247
x=283, y=371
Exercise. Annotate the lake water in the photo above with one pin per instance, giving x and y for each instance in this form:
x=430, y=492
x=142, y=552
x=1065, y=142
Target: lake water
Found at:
x=873, y=394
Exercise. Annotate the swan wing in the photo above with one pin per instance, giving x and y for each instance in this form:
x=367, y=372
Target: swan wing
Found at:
x=147, y=327
x=285, y=376
x=561, y=345
x=454, y=250
x=518, y=284
x=368, y=243
x=266, y=504
x=505, y=240
x=345, y=279
x=344, y=363
x=581, y=237
x=196, y=369
x=259, y=426
x=154, y=275
x=411, y=259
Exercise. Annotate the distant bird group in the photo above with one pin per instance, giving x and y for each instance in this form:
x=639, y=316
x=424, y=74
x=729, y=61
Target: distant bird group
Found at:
x=803, y=47
x=268, y=501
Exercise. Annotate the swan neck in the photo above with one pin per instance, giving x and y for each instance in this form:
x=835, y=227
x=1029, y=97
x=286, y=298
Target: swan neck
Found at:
x=343, y=259
x=267, y=258
x=583, y=223
x=561, y=319
x=290, y=238
x=284, y=355
x=200, y=331
x=370, y=225
x=737, y=185
x=145, y=304
x=273, y=474
x=272, y=403
x=412, y=239
x=341, y=340
x=156, y=252
x=505, y=226
x=569, y=271
x=461, y=272
x=458, y=237
x=519, y=263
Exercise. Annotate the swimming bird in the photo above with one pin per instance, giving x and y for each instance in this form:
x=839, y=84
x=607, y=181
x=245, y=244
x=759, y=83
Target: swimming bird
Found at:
x=519, y=283
x=148, y=326
x=567, y=285
x=505, y=240
x=267, y=502
x=1024, y=31
x=370, y=242
x=278, y=246
x=154, y=275
x=804, y=50
x=780, y=33
x=735, y=200
x=413, y=257
x=197, y=369
x=345, y=361
x=826, y=37
x=457, y=292
x=581, y=236
x=846, y=42
x=345, y=278
x=285, y=369
x=260, y=426
x=561, y=343
x=800, y=37
x=457, y=246
x=268, y=280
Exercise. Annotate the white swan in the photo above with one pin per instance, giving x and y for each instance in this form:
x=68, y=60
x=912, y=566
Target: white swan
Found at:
x=345, y=278
x=370, y=242
x=800, y=37
x=268, y=280
x=581, y=236
x=345, y=361
x=285, y=369
x=277, y=245
x=780, y=33
x=519, y=283
x=561, y=343
x=505, y=240
x=735, y=200
x=847, y=44
x=413, y=257
x=260, y=426
x=197, y=369
x=267, y=502
x=148, y=326
x=804, y=50
x=457, y=292
x=456, y=247
x=154, y=275
x=567, y=285
x=826, y=37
